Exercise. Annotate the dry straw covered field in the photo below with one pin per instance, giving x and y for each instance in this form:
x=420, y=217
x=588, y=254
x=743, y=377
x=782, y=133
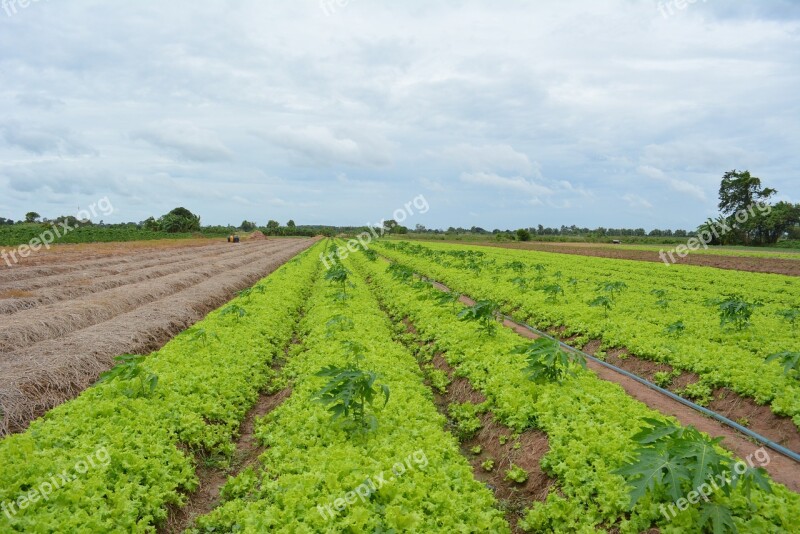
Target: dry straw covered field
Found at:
x=65, y=315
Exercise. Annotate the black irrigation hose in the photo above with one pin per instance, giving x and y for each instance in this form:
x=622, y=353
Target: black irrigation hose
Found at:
x=705, y=411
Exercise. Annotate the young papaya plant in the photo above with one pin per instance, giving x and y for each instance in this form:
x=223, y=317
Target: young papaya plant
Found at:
x=233, y=310
x=520, y=283
x=446, y=298
x=661, y=295
x=552, y=291
x=612, y=288
x=602, y=301
x=338, y=274
x=199, y=334
x=485, y=313
x=130, y=368
x=735, y=311
x=675, y=329
x=790, y=315
x=401, y=272
x=338, y=323
x=789, y=360
x=671, y=461
x=370, y=254
x=516, y=266
x=548, y=361
x=350, y=390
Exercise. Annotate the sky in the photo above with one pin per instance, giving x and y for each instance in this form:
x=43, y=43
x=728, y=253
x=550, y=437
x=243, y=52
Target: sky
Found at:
x=500, y=114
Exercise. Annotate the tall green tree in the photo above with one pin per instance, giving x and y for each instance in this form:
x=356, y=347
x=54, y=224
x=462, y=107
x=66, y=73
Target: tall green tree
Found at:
x=31, y=217
x=739, y=190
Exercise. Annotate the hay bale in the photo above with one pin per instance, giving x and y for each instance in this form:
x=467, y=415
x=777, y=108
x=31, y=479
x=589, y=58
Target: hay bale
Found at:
x=258, y=236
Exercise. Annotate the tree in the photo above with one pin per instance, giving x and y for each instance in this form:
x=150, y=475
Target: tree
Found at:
x=739, y=190
x=273, y=225
x=150, y=224
x=247, y=226
x=291, y=224
x=783, y=217
x=31, y=217
x=523, y=235
x=179, y=220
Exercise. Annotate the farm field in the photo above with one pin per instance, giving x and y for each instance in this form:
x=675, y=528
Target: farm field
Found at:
x=361, y=398
x=670, y=326
x=68, y=313
x=787, y=263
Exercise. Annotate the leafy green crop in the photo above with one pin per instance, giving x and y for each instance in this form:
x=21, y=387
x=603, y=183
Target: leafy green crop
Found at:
x=516, y=474
x=589, y=422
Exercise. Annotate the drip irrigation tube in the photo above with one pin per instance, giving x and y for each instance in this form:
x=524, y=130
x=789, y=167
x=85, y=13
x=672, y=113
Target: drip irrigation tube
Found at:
x=705, y=411
x=714, y=415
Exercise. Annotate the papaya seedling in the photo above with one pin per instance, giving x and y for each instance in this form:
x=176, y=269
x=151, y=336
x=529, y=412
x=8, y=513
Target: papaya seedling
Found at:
x=130, y=368
x=484, y=313
x=548, y=361
x=350, y=390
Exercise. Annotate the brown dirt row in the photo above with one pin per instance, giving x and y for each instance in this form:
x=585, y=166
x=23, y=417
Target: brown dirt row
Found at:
x=29, y=327
x=735, y=263
x=532, y=446
x=781, y=468
x=24, y=296
x=24, y=277
x=42, y=377
x=526, y=451
x=728, y=403
x=212, y=479
x=61, y=253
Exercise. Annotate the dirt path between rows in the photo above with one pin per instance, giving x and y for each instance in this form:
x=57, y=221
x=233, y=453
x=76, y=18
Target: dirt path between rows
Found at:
x=735, y=263
x=781, y=468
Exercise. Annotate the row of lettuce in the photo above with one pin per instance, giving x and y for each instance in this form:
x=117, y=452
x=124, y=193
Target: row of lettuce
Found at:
x=721, y=325
x=389, y=468
x=592, y=427
x=115, y=458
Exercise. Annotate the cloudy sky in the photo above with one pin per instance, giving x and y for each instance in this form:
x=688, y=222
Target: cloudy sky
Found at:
x=501, y=113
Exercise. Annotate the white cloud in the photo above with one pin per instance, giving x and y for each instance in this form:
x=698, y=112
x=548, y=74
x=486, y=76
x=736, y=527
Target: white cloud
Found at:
x=680, y=186
x=320, y=146
x=186, y=140
x=635, y=201
x=496, y=157
x=516, y=183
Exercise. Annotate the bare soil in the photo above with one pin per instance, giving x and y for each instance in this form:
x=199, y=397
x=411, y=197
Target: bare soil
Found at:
x=737, y=263
x=62, y=348
x=495, y=443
